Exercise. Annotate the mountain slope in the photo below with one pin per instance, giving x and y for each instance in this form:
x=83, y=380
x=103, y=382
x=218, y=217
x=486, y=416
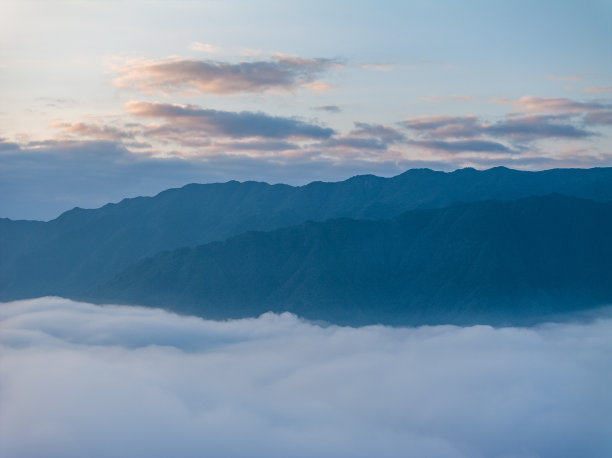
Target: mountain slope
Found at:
x=81, y=248
x=490, y=262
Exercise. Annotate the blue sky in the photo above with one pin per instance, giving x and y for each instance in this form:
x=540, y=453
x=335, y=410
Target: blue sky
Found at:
x=104, y=100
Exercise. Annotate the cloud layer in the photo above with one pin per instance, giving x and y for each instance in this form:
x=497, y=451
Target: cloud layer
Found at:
x=43, y=179
x=78, y=379
x=152, y=146
x=180, y=75
x=215, y=123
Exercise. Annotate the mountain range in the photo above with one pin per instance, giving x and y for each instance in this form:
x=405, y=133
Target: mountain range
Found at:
x=495, y=246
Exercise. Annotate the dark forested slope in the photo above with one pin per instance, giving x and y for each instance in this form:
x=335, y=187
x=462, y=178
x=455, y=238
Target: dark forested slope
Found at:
x=491, y=262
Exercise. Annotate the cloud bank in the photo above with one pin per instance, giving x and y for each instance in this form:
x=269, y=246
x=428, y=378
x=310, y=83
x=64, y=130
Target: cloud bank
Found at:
x=82, y=380
x=153, y=145
x=43, y=179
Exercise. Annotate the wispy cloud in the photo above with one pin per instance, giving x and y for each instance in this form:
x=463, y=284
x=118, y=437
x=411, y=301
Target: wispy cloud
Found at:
x=447, y=98
x=203, y=77
x=598, y=89
x=386, y=133
x=358, y=143
x=461, y=146
x=573, y=78
x=378, y=67
x=329, y=108
x=252, y=52
x=159, y=384
x=557, y=105
x=444, y=126
x=255, y=145
x=57, y=102
x=318, y=86
x=204, y=47
x=587, y=113
x=82, y=130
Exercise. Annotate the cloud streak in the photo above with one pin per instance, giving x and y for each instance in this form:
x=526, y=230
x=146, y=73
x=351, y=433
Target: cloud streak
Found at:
x=523, y=127
x=461, y=146
x=532, y=127
x=82, y=130
x=202, y=77
x=598, y=89
x=218, y=123
x=204, y=47
x=444, y=126
x=116, y=381
x=329, y=108
x=558, y=105
x=573, y=78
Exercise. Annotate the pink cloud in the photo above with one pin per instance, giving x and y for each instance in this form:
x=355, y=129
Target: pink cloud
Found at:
x=599, y=89
x=555, y=105
x=94, y=131
x=200, y=77
x=204, y=47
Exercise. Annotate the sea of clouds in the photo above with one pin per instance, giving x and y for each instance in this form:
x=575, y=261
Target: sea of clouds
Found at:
x=80, y=380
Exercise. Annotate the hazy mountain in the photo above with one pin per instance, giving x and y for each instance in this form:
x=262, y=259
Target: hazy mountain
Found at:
x=82, y=248
x=491, y=262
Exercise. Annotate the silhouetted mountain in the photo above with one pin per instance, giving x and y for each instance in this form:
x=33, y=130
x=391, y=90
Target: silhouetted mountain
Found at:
x=84, y=247
x=491, y=262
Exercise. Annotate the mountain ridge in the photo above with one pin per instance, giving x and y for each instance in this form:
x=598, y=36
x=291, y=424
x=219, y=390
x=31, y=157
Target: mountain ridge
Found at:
x=408, y=172
x=83, y=247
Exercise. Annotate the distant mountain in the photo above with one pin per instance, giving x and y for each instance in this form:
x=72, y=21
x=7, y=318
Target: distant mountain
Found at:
x=82, y=248
x=486, y=262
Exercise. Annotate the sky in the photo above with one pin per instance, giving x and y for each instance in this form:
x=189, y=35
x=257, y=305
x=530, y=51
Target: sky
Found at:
x=101, y=100
x=85, y=380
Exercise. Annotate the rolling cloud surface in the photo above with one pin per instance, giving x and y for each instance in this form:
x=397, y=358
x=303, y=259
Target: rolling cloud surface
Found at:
x=84, y=380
